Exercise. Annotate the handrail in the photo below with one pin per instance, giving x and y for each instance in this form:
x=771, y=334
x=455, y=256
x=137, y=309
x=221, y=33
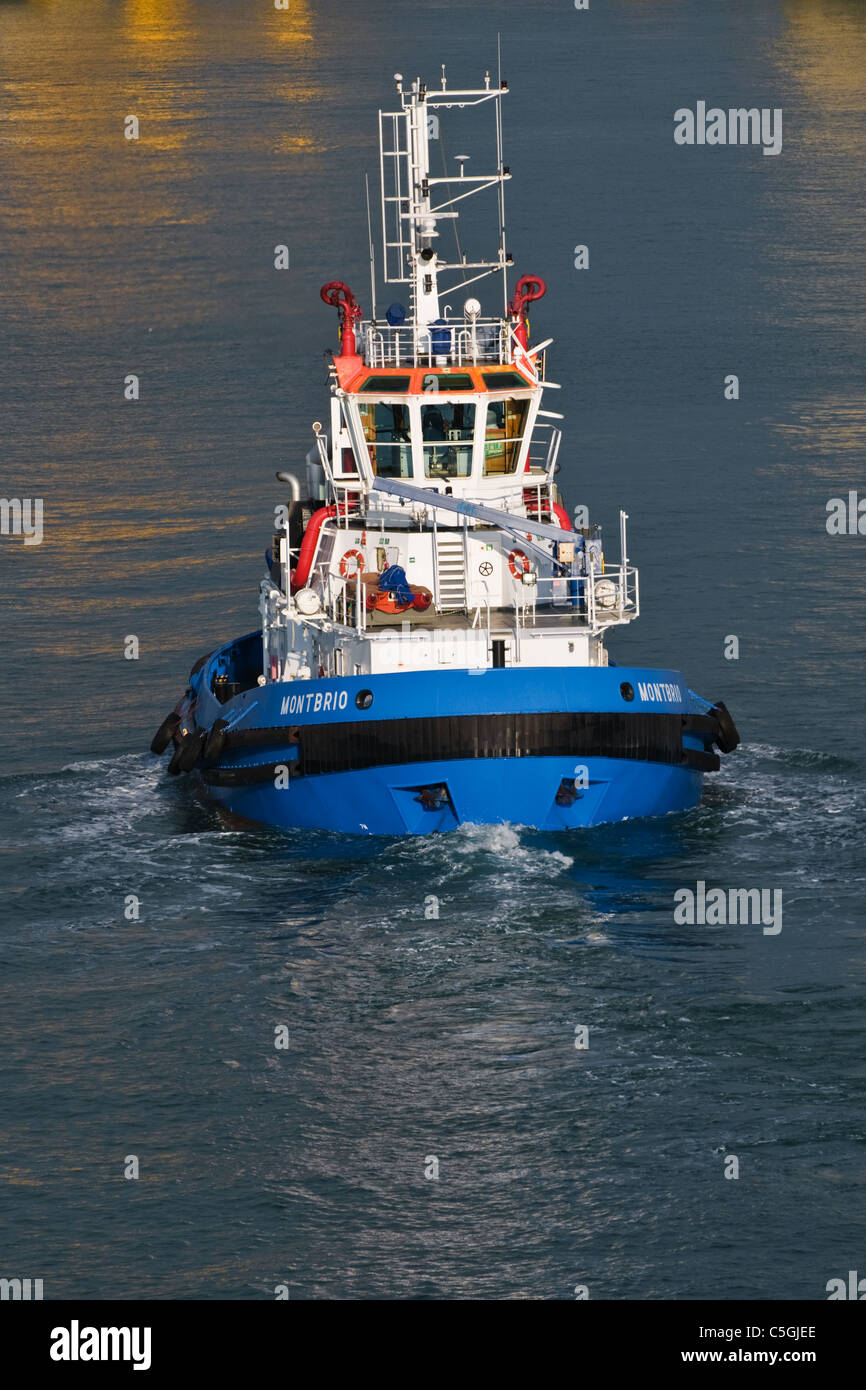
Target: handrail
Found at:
x=486, y=601
x=579, y=594
x=399, y=345
x=548, y=464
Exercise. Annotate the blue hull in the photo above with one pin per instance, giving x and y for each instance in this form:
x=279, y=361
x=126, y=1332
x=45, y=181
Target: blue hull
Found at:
x=387, y=800
x=417, y=752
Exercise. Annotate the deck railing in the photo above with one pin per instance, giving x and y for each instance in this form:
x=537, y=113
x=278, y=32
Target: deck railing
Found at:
x=599, y=599
x=455, y=343
x=539, y=455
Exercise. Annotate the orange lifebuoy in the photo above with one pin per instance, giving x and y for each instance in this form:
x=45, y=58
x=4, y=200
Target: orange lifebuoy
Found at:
x=518, y=563
x=358, y=556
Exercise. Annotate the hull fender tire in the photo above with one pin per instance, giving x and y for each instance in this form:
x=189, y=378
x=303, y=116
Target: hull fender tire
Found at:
x=164, y=734
x=174, y=767
x=727, y=737
x=191, y=750
x=215, y=741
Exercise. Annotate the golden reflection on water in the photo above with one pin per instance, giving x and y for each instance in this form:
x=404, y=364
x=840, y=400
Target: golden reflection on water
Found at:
x=831, y=424
x=299, y=144
x=821, y=56
x=206, y=81
x=292, y=27
x=824, y=48
x=76, y=73
x=159, y=21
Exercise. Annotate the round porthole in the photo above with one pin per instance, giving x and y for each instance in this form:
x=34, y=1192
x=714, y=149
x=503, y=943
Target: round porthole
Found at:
x=364, y=699
x=626, y=691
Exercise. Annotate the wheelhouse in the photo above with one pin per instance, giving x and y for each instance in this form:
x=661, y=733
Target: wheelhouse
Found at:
x=463, y=430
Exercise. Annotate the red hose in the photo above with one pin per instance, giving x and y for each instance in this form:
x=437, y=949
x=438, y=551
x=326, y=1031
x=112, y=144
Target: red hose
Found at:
x=301, y=572
x=528, y=287
x=340, y=297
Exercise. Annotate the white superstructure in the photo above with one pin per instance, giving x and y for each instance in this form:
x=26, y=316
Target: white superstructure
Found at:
x=439, y=461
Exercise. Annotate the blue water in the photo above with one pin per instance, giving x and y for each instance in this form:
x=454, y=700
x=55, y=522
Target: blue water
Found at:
x=412, y=1037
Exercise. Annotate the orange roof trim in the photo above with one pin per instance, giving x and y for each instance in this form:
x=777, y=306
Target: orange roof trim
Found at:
x=352, y=373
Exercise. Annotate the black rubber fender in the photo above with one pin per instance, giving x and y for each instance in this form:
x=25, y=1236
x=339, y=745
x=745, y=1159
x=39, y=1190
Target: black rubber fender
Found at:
x=727, y=737
x=215, y=741
x=191, y=750
x=165, y=733
x=174, y=767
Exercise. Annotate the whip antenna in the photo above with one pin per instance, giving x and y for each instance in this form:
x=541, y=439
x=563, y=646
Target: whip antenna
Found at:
x=372, y=252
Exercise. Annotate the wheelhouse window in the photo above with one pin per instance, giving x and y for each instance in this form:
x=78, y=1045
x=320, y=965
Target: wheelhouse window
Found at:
x=504, y=381
x=448, y=381
x=447, y=431
x=503, y=435
x=387, y=385
x=386, y=430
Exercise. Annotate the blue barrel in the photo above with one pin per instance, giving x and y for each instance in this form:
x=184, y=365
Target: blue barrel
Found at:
x=440, y=338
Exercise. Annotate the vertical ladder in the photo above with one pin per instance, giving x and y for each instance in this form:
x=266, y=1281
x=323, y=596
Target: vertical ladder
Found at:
x=395, y=172
x=450, y=571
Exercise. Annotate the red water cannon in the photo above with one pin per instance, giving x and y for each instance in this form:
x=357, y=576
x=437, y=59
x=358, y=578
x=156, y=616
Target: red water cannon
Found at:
x=528, y=287
x=340, y=297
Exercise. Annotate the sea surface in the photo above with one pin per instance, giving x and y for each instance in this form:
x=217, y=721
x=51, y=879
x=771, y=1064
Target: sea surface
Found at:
x=151, y=956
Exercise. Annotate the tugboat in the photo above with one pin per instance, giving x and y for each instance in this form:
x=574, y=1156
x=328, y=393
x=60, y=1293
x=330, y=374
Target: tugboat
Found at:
x=433, y=622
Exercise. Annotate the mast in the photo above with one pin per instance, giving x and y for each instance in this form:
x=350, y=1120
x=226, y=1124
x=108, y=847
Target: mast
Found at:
x=412, y=198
